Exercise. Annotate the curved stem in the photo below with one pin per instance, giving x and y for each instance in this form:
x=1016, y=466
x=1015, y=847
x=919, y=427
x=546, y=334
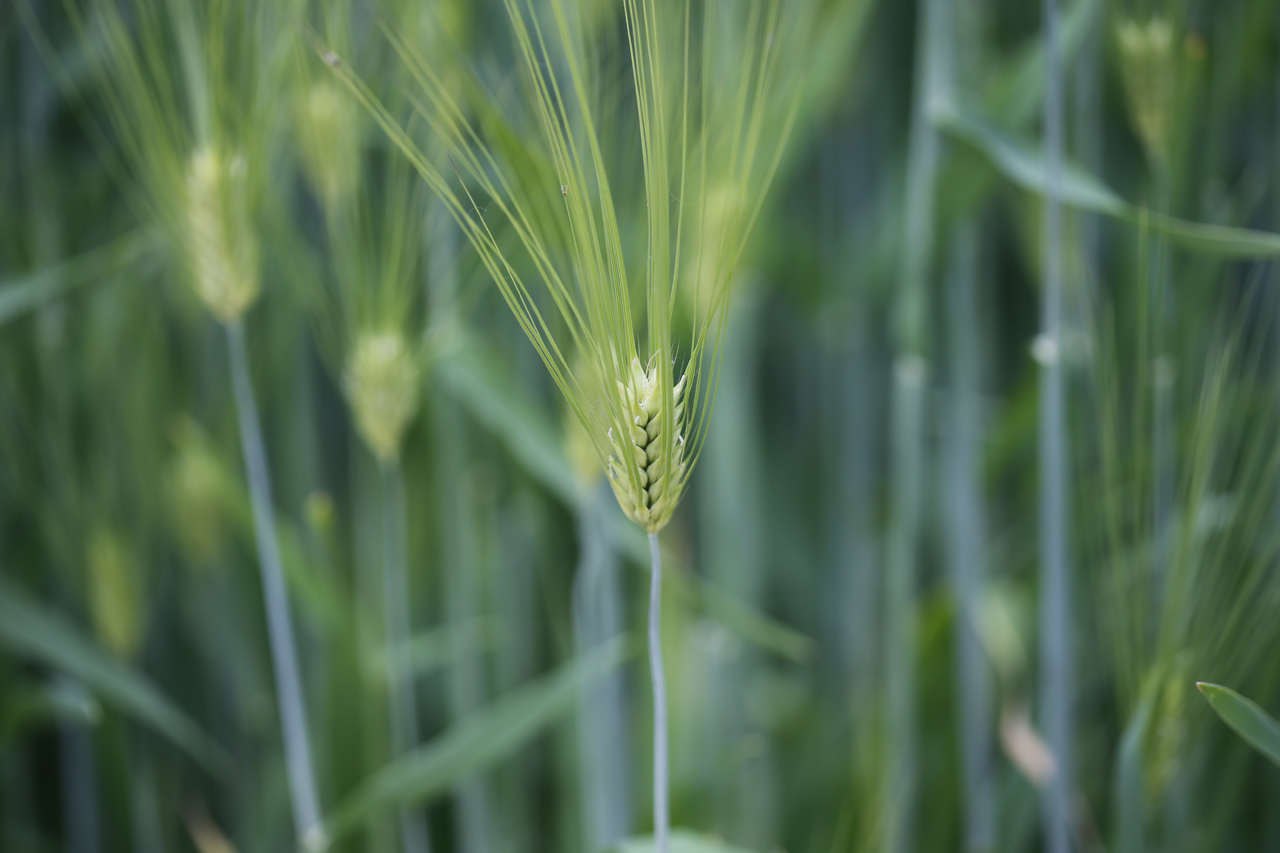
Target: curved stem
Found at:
x=661, y=818
x=284, y=655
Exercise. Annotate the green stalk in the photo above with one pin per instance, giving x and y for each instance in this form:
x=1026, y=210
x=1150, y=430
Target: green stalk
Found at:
x=1055, y=635
x=602, y=725
x=967, y=551
x=403, y=705
x=910, y=374
x=466, y=685
x=661, y=816
x=732, y=548
x=284, y=656
x=79, y=784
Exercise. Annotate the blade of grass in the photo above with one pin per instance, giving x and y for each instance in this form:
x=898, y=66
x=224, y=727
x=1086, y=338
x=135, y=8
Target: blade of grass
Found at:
x=1023, y=163
x=29, y=629
x=483, y=738
x=22, y=294
x=1258, y=728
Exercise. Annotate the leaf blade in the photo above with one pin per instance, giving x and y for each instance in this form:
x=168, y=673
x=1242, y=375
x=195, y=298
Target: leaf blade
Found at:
x=29, y=629
x=1022, y=162
x=1258, y=728
x=480, y=740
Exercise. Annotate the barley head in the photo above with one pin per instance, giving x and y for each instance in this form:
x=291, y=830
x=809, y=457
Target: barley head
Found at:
x=381, y=383
x=709, y=134
x=221, y=243
x=113, y=592
x=647, y=485
x=197, y=491
x=329, y=142
x=1148, y=67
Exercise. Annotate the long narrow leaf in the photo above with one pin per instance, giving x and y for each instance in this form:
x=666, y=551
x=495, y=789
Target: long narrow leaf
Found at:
x=1022, y=162
x=29, y=629
x=1259, y=729
x=21, y=294
x=480, y=740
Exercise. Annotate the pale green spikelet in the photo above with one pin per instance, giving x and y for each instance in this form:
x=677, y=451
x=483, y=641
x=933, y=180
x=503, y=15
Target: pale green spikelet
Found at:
x=221, y=244
x=197, y=492
x=329, y=142
x=381, y=382
x=114, y=596
x=647, y=485
x=1148, y=65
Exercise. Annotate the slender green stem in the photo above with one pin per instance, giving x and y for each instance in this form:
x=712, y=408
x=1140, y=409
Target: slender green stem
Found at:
x=284, y=655
x=967, y=540
x=402, y=703
x=911, y=369
x=1055, y=647
x=597, y=620
x=661, y=817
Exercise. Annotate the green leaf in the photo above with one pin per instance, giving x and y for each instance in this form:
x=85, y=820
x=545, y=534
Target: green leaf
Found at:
x=28, y=629
x=1252, y=723
x=682, y=841
x=27, y=293
x=481, y=739
x=60, y=699
x=1022, y=162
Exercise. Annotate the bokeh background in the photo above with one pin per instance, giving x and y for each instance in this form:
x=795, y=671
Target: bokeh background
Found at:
x=866, y=642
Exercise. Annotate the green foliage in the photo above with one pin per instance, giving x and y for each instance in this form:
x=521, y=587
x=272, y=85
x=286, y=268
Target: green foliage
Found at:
x=1256, y=726
x=29, y=630
x=468, y=244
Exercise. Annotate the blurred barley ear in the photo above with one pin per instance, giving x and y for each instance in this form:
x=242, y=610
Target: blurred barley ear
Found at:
x=284, y=655
x=1055, y=602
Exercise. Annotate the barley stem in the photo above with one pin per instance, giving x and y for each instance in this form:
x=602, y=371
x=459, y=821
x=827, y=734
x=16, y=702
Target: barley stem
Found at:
x=967, y=541
x=910, y=375
x=395, y=588
x=661, y=818
x=284, y=656
x=1055, y=650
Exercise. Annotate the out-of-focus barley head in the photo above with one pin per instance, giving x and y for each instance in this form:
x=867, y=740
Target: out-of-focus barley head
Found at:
x=222, y=247
x=328, y=123
x=114, y=593
x=381, y=382
x=197, y=494
x=1148, y=65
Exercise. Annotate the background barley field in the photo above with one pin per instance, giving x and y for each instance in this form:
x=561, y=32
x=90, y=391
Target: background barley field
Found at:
x=307, y=539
